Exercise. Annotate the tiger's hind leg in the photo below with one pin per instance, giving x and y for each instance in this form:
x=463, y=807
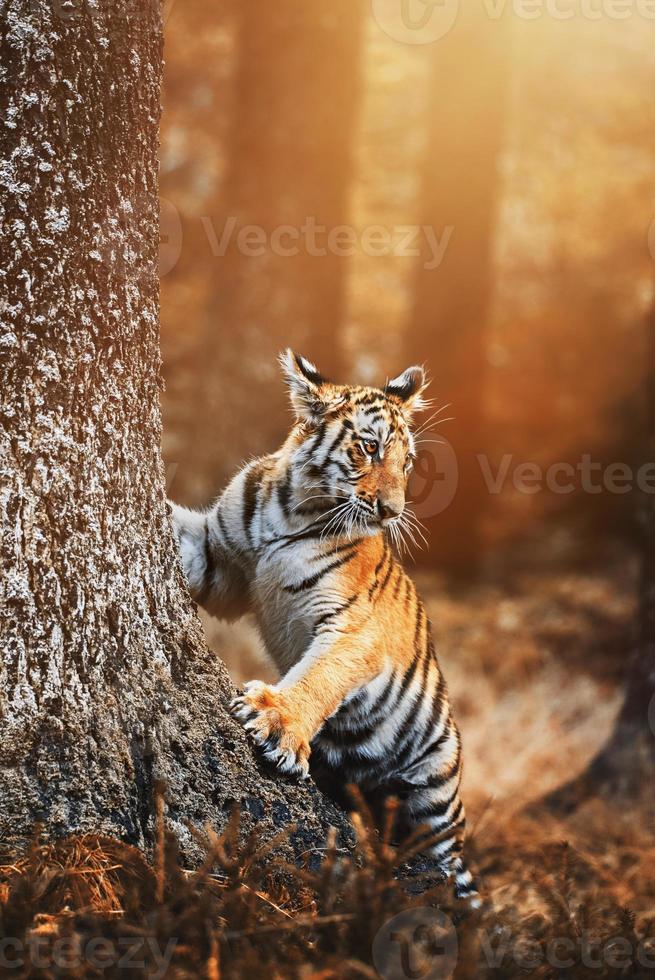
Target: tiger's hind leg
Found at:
x=464, y=883
x=441, y=814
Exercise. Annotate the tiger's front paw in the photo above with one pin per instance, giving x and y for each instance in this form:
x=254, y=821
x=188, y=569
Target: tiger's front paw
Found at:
x=262, y=711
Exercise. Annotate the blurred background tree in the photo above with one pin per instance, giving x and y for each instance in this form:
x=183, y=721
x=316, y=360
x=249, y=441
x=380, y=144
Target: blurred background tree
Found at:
x=494, y=163
x=288, y=150
x=531, y=139
x=452, y=303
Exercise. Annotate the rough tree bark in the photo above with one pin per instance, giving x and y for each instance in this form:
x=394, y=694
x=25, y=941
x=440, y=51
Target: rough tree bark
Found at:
x=460, y=191
x=106, y=681
x=296, y=94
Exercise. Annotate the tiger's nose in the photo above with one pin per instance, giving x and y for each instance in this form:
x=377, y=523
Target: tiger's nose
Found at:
x=388, y=509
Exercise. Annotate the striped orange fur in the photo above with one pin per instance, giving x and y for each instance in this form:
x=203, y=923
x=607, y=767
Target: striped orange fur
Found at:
x=303, y=539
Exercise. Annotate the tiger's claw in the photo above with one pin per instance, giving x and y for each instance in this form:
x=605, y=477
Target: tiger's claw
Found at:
x=265, y=717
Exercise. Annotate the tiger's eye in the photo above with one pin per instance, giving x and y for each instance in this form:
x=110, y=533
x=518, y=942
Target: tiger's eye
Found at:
x=370, y=447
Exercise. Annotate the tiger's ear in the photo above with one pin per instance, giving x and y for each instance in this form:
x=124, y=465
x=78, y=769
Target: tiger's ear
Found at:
x=408, y=389
x=308, y=390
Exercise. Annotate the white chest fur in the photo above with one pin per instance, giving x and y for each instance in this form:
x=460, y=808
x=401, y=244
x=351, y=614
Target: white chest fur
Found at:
x=286, y=617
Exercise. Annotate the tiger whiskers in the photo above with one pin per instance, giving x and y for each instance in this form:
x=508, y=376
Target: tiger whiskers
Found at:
x=411, y=523
x=434, y=419
x=405, y=528
x=333, y=526
x=396, y=538
x=317, y=496
x=325, y=494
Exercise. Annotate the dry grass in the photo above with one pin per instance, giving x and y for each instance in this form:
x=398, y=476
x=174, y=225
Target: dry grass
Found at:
x=90, y=907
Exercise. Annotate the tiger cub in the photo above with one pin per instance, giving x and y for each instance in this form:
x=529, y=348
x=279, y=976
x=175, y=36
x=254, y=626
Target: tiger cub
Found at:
x=300, y=539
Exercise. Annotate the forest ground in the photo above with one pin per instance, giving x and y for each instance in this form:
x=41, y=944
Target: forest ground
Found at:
x=534, y=661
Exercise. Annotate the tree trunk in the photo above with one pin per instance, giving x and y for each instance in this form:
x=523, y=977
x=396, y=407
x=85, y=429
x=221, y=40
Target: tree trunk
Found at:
x=460, y=191
x=624, y=768
x=106, y=681
x=296, y=94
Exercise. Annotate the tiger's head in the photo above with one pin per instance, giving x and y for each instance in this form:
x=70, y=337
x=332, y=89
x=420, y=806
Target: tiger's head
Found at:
x=353, y=445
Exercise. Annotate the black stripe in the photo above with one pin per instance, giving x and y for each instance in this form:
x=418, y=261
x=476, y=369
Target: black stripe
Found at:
x=452, y=823
x=409, y=676
x=309, y=583
x=207, y=575
x=455, y=816
x=284, y=493
x=320, y=435
x=435, y=809
x=378, y=568
x=362, y=734
x=350, y=739
x=419, y=623
x=384, y=696
x=228, y=540
x=368, y=399
x=353, y=737
x=339, y=548
x=433, y=746
x=406, y=735
x=439, y=701
x=446, y=852
x=381, y=561
x=385, y=580
x=250, y=500
x=341, y=467
x=326, y=617
x=438, y=779
x=288, y=539
x=315, y=530
x=337, y=441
